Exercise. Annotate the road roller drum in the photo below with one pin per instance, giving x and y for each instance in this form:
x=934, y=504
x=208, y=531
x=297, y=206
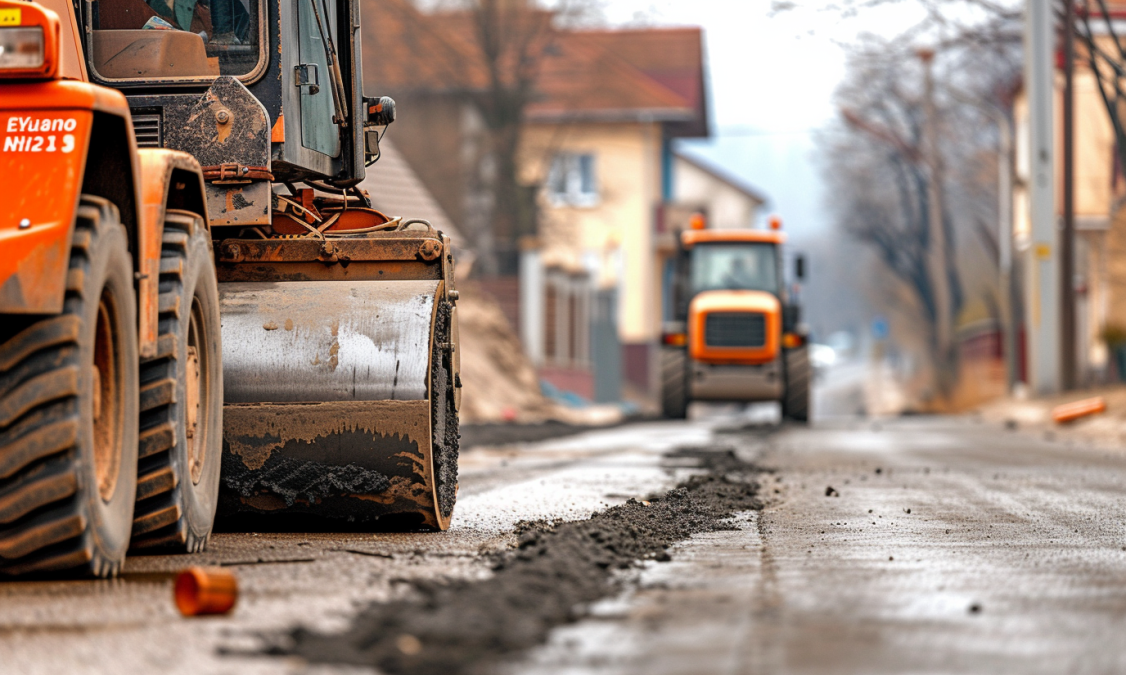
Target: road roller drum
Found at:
x=330, y=399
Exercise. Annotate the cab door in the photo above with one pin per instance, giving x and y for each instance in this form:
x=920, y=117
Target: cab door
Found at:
x=318, y=131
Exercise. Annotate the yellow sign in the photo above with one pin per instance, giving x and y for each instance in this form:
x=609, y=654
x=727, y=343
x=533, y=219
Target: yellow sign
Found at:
x=10, y=17
x=1043, y=251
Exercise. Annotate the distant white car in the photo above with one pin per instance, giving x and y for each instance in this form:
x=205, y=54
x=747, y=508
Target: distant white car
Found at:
x=822, y=357
x=843, y=344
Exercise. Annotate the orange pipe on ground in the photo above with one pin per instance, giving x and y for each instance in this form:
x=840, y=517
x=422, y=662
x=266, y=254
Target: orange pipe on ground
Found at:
x=1070, y=412
x=210, y=590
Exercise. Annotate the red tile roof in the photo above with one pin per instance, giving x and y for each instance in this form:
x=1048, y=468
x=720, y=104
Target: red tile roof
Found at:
x=406, y=50
x=610, y=75
x=582, y=80
x=672, y=57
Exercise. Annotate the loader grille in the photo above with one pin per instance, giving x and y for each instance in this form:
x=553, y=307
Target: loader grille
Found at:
x=147, y=128
x=735, y=329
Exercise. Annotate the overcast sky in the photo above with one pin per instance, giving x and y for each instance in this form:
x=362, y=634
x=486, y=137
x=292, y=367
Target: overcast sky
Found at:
x=771, y=81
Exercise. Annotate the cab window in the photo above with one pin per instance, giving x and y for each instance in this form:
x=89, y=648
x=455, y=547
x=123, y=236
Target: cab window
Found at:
x=735, y=267
x=147, y=40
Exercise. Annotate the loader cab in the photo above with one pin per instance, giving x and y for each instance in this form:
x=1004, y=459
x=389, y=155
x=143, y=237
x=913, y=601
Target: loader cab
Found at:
x=726, y=260
x=134, y=43
x=272, y=84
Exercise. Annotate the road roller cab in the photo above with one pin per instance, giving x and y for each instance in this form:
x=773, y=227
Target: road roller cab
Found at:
x=166, y=162
x=734, y=334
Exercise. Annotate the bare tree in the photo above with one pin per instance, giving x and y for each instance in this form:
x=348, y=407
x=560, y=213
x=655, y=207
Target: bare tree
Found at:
x=895, y=202
x=500, y=46
x=912, y=168
x=1099, y=30
x=512, y=39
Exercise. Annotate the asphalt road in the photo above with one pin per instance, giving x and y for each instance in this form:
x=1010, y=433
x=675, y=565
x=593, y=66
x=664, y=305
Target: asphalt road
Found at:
x=921, y=545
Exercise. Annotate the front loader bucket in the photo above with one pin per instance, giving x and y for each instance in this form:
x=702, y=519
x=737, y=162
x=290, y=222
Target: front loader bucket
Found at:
x=328, y=400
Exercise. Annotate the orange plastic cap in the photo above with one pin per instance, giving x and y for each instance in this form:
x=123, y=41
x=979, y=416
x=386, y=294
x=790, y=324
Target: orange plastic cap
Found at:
x=1069, y=412
x=201, y=591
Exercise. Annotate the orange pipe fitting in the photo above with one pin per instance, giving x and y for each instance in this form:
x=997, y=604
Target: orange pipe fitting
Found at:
x=200, y=591
x=1070, y=412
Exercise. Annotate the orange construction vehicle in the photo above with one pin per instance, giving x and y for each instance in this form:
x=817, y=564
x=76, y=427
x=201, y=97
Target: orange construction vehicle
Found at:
x=166, y=164
x=734, y=335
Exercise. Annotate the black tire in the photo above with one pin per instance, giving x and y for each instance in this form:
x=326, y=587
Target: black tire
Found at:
x=795, y=400
x=674, y=383
x=180, y=448
x=68, y=413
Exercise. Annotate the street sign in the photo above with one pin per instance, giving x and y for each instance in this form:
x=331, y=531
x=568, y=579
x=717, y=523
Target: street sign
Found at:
x=880, y=328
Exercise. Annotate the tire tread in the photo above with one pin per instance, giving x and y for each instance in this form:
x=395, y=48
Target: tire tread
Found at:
x=160, y=520
x=42, y=520
x=674, y=383
x=795, y=405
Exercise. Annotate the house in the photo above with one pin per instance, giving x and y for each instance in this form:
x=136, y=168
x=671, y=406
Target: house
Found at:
x=599, y=142
x=727, y=201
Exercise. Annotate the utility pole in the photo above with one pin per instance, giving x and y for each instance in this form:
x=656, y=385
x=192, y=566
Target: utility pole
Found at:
x=1043, y=283
x=937, y=264
x=1067, y=237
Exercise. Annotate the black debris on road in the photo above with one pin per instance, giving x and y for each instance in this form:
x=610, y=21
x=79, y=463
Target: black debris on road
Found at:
x=550, y=577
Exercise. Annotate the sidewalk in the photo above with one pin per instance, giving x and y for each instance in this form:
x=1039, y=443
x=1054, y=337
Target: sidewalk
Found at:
x=1104, y=430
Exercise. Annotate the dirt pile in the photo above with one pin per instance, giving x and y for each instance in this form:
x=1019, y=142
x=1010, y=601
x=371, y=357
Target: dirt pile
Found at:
x=497, y=378
x=555, y=571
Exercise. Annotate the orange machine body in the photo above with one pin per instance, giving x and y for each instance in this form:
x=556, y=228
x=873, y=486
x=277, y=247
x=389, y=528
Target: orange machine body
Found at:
x=742, y=302
x=44, y=137
x=690, y=238
x=48, y=119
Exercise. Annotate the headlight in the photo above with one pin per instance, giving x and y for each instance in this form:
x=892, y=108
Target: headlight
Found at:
x=21, y=48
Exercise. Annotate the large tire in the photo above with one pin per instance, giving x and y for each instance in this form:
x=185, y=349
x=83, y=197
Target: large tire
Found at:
x=795, y=400
x=68, y=414
x=674, y=383
x=181, y=398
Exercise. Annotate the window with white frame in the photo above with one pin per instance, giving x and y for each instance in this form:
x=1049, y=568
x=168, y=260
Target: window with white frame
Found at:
x=566, y=318
x=572, y=180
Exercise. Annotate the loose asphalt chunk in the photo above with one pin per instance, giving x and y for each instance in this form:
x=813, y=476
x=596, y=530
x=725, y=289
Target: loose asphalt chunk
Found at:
x=550, y=578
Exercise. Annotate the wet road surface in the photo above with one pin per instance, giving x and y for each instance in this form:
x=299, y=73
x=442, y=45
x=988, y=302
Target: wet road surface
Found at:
x=945, y=546
x=923, y=545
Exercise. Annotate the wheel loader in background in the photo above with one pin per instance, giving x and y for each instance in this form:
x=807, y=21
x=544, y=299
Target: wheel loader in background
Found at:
x=734, y=334
x=198, y=309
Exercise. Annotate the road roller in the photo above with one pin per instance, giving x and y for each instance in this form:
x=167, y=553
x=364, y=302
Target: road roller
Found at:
x=200, y=312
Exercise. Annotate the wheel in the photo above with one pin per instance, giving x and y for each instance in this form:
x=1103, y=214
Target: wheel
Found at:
x=68, y=413
x=674, y=384
x=795, y=401
x=180, y=447
x=444, y=420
